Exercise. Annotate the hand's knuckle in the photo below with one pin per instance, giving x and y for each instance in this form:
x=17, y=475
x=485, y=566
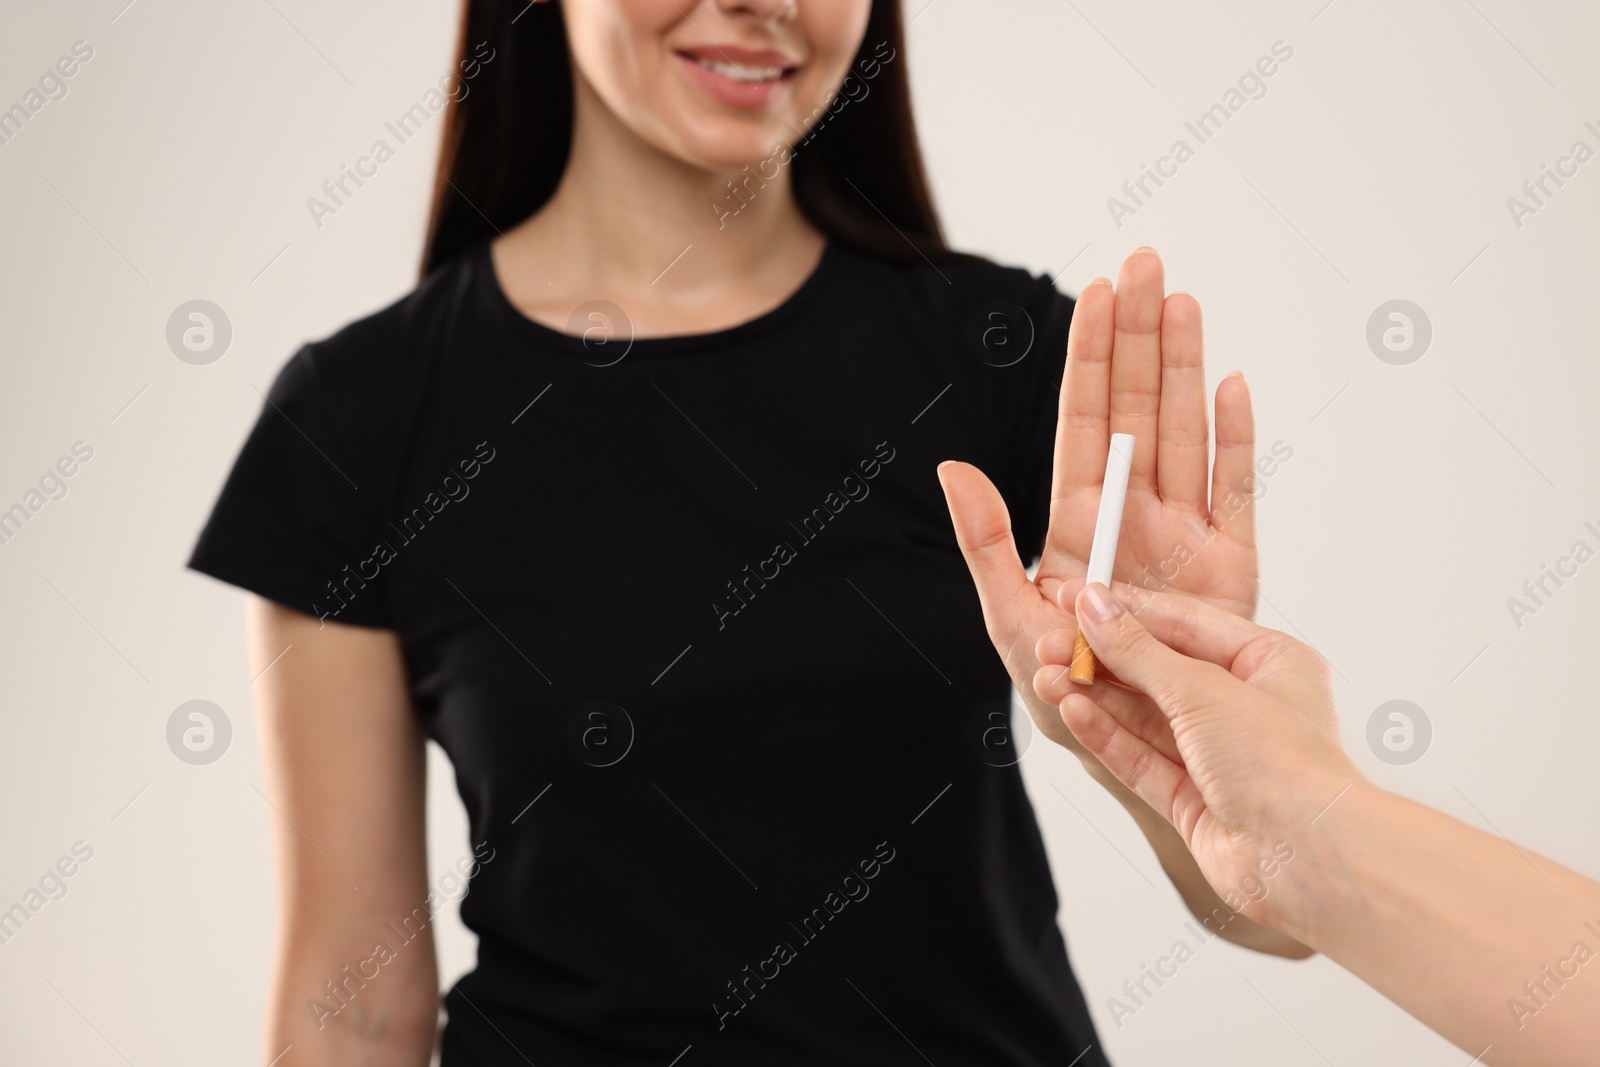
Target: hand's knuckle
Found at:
x=994, y=538
x=1132, y=636
x=1185, y=626
x=1136, y=772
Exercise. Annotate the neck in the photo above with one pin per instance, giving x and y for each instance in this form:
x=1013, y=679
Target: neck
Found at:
x=625, y=211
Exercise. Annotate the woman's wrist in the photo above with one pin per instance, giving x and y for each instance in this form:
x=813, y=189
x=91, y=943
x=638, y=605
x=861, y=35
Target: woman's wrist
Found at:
x=1321, y=890
x=1316, y=875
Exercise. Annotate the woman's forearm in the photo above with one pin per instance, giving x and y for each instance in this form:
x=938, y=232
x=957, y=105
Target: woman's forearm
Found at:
x=1493, y=946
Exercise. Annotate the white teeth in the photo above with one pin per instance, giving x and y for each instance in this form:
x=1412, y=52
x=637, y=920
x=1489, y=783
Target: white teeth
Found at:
x=742, y=72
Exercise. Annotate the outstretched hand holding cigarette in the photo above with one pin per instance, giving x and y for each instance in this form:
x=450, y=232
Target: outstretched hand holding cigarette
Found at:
x=1200, y=698
x=1495, y=947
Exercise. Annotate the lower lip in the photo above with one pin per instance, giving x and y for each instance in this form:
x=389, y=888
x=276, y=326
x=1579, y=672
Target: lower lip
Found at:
x=735, y=92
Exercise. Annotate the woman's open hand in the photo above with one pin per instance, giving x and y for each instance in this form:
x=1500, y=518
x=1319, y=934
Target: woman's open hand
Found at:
x=1134, y=365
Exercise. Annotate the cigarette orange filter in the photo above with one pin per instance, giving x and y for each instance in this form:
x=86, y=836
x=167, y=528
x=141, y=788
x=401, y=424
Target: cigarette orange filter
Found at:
x=1103, y=550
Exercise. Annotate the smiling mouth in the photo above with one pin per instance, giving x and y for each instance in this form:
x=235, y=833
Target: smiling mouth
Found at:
x=746, y=79
x=740, y=71
x=736, y=63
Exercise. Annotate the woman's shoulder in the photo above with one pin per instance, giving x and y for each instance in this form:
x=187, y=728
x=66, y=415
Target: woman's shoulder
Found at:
x=977, y=271
x=960, y=282
x=367, y=383
x=396, y=343
x=978, y=303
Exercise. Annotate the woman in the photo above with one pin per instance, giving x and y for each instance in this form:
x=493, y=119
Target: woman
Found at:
x=631, y=506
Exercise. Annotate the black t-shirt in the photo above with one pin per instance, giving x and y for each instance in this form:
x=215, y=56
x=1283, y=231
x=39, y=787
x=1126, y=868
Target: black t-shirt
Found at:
x=689, y=619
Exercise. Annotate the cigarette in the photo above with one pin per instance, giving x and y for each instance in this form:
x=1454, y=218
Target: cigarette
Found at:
x=1103, y=551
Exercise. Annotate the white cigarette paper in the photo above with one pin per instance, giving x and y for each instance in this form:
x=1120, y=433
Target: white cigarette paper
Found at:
x=1108, y=524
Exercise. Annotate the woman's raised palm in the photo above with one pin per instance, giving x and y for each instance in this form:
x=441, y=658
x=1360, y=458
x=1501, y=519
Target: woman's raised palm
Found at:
x=1134, y=365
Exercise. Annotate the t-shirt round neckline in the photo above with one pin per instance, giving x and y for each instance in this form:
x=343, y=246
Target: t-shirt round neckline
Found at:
x=668, y=344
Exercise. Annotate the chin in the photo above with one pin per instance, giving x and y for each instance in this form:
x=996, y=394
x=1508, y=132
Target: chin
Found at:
x=711, y=145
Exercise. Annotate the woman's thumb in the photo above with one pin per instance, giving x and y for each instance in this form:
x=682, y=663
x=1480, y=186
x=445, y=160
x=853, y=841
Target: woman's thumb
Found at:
x=983, y=532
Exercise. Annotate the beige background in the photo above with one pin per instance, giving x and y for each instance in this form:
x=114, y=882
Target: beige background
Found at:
x=1419, y=498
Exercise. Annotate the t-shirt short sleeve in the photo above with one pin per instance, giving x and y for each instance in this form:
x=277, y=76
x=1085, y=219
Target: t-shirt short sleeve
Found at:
x=1031, y=398
x=289, y=524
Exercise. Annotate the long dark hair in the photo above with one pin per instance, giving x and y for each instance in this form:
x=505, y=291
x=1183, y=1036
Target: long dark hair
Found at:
x=507, y=138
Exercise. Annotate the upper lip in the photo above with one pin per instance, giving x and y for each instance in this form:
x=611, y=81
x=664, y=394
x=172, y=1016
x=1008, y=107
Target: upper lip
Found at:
x=746, y=57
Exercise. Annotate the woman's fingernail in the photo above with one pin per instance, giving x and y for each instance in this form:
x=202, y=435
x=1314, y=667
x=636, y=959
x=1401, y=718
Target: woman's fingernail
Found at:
x=1103, y=607
x=1148, y=250
x=1101, y=281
